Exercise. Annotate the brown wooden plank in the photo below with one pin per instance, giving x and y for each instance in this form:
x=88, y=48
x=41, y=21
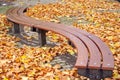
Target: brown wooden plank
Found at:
x=107, y=56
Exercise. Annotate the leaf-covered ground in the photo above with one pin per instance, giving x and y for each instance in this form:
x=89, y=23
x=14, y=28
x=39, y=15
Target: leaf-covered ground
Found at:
x=99, y=17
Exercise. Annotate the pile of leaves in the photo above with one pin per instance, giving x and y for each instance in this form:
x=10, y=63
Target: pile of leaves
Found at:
x=32, y=63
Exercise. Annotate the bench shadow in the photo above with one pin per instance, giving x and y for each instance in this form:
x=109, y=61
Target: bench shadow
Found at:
x=95, y=74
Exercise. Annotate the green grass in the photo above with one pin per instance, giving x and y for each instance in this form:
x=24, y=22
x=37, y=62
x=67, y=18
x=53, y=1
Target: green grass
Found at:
x=3, y=9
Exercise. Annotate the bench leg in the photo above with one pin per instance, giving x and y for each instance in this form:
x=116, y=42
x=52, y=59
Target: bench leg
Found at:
x=17, y=28
x=41, y=37
x=21, y=28
x=33, y=29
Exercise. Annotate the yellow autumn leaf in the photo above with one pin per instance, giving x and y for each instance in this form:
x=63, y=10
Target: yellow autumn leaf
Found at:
x=110, y=37
x=57, y=78
x=70, y=51
x=31, y=73
x=5, y=78
x=54, y=36
x=44, y=48
x=113, y=50
x=117, y=44
x=24, y=59
x=116, y=75
x=22, y=68
x=68, y=78
x=43, y=55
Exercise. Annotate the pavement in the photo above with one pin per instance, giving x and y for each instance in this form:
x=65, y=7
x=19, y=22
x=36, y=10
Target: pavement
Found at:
x=31, y=2
x=25, y=2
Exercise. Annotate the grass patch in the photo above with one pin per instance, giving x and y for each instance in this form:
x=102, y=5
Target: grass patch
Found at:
x=3, y=9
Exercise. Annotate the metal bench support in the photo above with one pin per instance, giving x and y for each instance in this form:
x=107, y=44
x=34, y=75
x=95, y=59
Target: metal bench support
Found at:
x=41, y=37
x=33, y=29
x=17, y=28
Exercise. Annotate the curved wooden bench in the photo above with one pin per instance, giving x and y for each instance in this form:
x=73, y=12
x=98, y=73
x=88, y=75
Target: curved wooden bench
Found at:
x=94, y=57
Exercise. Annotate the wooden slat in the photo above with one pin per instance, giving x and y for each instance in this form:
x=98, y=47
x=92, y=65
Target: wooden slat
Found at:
x=107, y=56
